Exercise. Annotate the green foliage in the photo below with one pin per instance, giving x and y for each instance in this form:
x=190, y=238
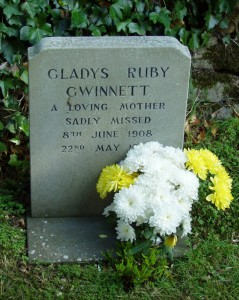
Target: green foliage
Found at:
x=222, y=139
x=12, y=239
x=25, y=23
x=136, y=265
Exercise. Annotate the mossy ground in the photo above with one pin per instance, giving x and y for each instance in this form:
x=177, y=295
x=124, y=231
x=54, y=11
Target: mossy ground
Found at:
x=208, y=271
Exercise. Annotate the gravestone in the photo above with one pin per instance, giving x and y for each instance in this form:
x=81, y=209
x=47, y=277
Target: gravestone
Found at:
x=91, y=100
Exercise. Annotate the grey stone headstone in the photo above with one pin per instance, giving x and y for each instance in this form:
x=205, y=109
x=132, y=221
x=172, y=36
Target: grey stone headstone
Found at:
x=91, y=99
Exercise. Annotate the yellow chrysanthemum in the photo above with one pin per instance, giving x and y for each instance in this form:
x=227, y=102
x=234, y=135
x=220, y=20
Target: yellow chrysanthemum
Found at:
x=170, y=241
x=224, y=176
x=212, y=162
x=196, y=163
x=113, y=178
x=222, y=196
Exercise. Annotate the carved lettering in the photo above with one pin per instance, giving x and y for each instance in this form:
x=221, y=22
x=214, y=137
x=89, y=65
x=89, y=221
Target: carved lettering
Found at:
x=105, y=134
x=130, y=120
x=105, y=148
x=147, y=72
x=82, y=121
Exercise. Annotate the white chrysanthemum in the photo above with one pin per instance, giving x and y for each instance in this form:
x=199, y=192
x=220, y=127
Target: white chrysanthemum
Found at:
x=158, y=198
x=185, y=184
x=166, y=220
x=158, y=165
x=186, y=224
x=176, y=156
x=108, y=209
x=139, y=157
x=185, y=205
x=125, y=232
x=129, y=203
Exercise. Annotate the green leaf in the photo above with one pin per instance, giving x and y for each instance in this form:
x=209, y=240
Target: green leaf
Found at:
x=123, y=25
x=224, y=23
x=181, y=10
x=184, y=36
x=140, y=5
x=140, y=247
x=211, y=21
x=5, y=86
x=226, y=39
x=15, y=20
x=30, y=8
x=2, y=3
x=171, y=31
x=194, y=41
x=33, y=35
x=11, y=10
x=78, y=18
x=8, y=30
x=226, y=6
x=24, y=127
x=116, y=12
x=13, y=160
x=24, y=76
x=15, y=141
x=10, y=127
x=161, y=17
x=136, y=28
x=3, y=147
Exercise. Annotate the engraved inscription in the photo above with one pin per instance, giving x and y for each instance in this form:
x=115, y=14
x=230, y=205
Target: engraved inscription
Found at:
x=120, y=120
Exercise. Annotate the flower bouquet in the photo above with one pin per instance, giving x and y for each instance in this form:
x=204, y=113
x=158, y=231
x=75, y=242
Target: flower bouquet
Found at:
x=154, y=190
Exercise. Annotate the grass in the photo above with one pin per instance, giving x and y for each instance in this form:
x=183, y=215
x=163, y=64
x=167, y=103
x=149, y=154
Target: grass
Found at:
x=210, y=269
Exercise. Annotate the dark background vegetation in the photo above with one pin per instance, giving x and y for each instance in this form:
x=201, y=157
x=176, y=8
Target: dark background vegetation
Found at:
x=210, y=269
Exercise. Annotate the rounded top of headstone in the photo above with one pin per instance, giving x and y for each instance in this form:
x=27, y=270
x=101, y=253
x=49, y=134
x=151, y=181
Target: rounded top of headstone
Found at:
x=163, y=42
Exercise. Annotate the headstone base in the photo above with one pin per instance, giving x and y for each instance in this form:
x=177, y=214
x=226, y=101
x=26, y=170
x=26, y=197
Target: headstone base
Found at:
x=69, y=239
x=74, y=239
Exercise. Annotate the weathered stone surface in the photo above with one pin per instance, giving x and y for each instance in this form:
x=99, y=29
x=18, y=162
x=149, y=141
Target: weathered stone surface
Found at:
x=215, y=71
x=69, y=239
x=90, y=100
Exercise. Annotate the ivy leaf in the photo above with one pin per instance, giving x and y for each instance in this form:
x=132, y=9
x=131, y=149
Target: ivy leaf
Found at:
x=11, y=11
x=15, y=20
x=194, y=41
x=13, y=160
x=78, y=18
x=5, y=86
x=123, y=25
x=181, y=10
x=15, y=141
x=224, y=23
x=184, y=36
x=140, y=5
x=161, y=17
x=24, y=76
x=24, y=127
x=2, y=3
x=10, y=127
x=225, y=6
x=8, y=50
x=136, y=28
x=33, y=35
x=30, y=8
x=3, y=147
x=8, y=30
x=211, y=21
x=115, y=11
